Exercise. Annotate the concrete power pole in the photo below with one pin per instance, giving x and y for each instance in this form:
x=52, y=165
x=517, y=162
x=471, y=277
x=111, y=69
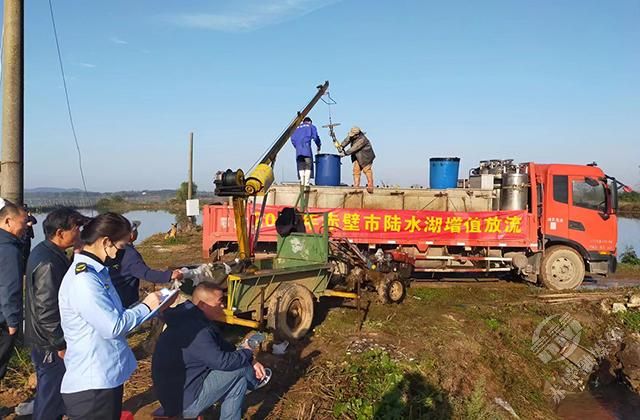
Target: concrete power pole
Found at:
x=12, y=166
x=190, y=190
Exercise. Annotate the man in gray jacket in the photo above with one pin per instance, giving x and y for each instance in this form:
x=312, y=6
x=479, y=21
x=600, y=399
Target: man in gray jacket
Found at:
x=46, y=267
x=362, y=156
x=13, y=222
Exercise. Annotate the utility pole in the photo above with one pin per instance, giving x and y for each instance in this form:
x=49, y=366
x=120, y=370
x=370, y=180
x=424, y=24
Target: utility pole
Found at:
x=190, y=190
x=12, y=164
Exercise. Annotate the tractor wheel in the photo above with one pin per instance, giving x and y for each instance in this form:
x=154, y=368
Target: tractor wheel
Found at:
x=392, y=289
x=562, y=268
x=291, y=311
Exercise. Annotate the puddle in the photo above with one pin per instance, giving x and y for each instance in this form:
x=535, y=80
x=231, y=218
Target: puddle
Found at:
x=614, y=401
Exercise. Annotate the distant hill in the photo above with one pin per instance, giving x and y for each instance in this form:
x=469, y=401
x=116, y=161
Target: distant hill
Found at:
x=50, y=190
x=51, y=196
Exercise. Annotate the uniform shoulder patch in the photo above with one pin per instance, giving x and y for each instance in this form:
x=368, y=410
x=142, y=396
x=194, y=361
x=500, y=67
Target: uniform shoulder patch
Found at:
x=81, y=268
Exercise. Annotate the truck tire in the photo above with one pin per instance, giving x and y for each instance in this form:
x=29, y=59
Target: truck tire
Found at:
x=392, y=290
x=290, y=311
x=562, y=268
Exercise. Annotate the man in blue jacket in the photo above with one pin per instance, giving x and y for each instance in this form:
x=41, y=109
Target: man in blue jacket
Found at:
x=193, y=366
x=128, y=268
x=301, y=140
x=13, y=222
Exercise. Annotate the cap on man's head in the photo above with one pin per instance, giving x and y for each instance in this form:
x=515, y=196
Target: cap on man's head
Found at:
x=307, y=119
x=135, y=224
x=354, y=130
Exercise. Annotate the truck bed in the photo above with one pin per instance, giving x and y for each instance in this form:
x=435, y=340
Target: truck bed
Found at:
x=456, y=199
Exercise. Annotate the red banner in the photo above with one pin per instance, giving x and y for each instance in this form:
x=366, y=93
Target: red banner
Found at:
x=404, y=226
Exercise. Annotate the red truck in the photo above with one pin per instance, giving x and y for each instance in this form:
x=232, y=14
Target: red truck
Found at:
x=547, y=223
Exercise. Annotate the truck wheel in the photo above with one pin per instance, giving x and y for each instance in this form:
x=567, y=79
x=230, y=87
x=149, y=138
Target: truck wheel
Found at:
x=392, y=289
x=562, y=268
x=291, y=311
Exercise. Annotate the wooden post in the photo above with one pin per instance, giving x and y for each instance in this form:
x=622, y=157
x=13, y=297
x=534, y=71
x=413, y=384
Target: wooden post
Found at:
x=12, y=162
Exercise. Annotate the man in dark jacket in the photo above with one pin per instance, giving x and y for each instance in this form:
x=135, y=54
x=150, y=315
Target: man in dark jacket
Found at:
x=46, y=267
x=193, y=366
x=13, y=221
x=362, y=156
x=129, y=267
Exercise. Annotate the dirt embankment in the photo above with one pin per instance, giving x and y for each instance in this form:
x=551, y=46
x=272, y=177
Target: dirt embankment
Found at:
x=451, y=350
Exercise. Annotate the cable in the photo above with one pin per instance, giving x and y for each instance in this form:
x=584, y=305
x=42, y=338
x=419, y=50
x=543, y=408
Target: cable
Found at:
x=1, y=50
x=66, y=94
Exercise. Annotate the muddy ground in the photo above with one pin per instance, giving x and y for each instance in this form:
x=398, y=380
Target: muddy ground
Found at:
x=449, y=351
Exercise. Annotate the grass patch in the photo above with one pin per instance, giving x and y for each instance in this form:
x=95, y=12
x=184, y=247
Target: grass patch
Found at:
x=374, y=386
x=492, y=323
x=626, y=269
x=431, y=294
x=178, y=240
x=19, y=369
x=476, y=406
x=631, y=319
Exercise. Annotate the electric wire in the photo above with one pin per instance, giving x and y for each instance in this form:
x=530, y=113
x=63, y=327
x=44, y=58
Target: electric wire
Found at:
x=66, y=95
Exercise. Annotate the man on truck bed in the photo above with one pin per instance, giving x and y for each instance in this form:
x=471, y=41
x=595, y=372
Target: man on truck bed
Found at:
x=362, y=156
x=301, y=140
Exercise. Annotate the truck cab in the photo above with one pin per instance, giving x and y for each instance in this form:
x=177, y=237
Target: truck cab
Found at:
x=577, y=222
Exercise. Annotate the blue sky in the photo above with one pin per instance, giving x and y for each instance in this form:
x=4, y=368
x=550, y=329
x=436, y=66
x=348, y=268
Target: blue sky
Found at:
x=546, y=81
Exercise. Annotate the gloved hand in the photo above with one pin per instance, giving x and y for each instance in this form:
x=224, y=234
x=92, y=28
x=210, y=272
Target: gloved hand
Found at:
x=341, y=154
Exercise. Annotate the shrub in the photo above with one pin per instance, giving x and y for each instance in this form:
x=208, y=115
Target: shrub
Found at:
x=629, y=256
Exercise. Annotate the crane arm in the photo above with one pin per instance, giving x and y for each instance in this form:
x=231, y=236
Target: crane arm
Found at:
x=234, y=184
x=270, y=156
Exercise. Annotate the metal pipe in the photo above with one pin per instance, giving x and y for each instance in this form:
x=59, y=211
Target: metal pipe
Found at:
x=261, y=314
x=190, y=186
x=239, y=213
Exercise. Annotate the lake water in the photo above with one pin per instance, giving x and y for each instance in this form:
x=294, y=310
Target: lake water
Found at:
x=160, y=221
x=152, y=222
x=628, y=234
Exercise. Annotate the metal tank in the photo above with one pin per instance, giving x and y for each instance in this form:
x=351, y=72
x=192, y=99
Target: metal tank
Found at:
x=514, y=194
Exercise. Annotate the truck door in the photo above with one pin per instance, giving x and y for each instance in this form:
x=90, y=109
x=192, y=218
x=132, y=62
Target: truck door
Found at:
x=556, y=208
x=590, y=223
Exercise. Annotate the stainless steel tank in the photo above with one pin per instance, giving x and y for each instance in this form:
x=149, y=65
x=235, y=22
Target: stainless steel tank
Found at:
x=514, y=194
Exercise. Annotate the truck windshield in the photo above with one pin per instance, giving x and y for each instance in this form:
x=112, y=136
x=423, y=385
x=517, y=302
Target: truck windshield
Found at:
x=591, y=197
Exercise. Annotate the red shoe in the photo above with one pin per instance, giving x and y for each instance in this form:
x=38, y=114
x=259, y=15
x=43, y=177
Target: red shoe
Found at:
x=126, y=415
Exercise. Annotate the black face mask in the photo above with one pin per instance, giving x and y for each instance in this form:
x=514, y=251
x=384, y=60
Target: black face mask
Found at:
x=114, y=262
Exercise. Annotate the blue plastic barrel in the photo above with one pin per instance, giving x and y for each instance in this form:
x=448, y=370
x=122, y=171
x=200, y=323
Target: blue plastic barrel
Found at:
x=443, y=172
x=327, y=169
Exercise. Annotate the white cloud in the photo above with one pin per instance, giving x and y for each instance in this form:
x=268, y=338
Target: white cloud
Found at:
x=117, y=40
x=88, y=65
x=249, y=15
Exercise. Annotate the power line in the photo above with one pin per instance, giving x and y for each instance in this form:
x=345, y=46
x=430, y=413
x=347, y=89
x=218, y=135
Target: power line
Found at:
x=66, y=95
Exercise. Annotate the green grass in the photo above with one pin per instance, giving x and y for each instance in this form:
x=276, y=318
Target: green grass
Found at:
x=631, y=319
x=476, y=406
x=374, y=386
x=492, y=323
x=19, y=369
